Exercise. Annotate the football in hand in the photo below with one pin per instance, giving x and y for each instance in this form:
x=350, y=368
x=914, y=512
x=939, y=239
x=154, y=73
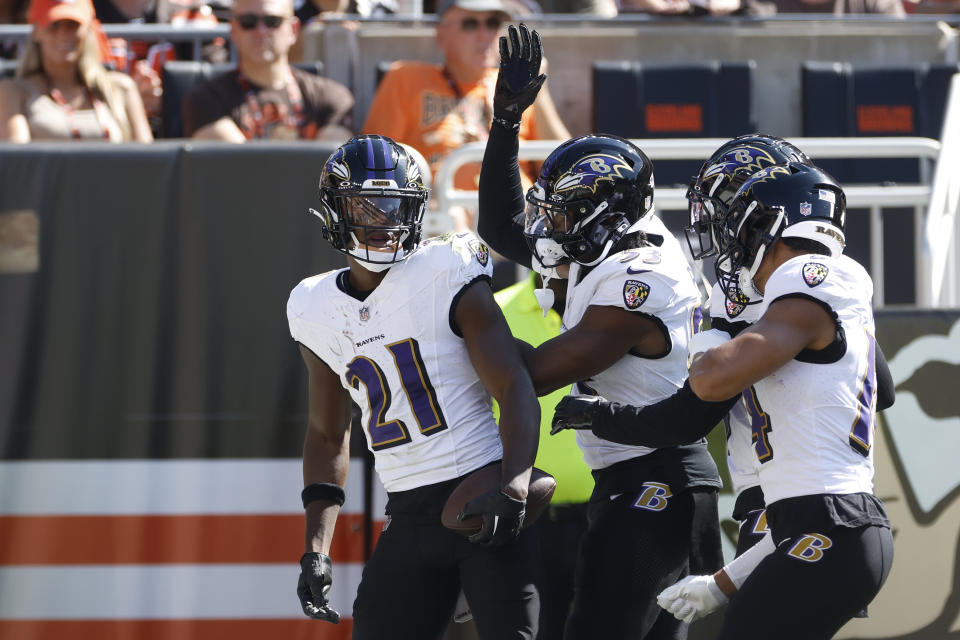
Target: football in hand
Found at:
x=483, y=480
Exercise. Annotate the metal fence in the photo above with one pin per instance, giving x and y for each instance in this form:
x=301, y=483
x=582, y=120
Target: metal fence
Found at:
x=874, y=198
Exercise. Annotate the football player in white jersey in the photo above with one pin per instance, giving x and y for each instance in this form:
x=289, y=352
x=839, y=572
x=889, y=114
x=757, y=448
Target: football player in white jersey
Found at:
x=411, y=333
x=709, y=194
x=631, y=308
x=808, y=370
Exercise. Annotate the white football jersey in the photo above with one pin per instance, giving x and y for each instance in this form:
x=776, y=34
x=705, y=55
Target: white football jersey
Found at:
x=742, y=462
x=654, y=281
x=813, y=422
x=426, y=414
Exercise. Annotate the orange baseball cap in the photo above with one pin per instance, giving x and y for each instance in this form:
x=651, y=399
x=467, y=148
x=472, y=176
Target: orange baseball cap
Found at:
x=46, y=12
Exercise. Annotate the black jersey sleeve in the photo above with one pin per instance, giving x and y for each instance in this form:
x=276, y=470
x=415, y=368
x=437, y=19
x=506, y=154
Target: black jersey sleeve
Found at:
x=501, y=196
x=886, y=393
x=679, y=419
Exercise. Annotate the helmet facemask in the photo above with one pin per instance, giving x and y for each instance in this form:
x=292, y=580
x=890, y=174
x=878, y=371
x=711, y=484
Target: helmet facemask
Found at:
x=379, y=227
x=744, y=237
x=559, y=233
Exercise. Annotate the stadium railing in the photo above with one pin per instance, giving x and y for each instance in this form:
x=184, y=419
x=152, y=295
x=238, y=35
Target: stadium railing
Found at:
x=196, y=36
x=935, y=241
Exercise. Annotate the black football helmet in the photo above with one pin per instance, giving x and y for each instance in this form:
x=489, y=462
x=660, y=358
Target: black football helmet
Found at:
x=712, y=189
x=372, y=201
x=589, y=193
x=783, y=201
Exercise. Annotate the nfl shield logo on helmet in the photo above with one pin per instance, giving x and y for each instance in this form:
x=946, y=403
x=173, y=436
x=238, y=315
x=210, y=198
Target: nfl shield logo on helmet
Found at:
x=806, y=208
x=635, y=293
x=814, y=273
x=364, y=314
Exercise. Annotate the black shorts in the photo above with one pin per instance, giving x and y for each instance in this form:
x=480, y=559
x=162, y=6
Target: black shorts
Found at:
x=751, y=513
x=639, y=542
x=410, y=584
x=814, y=582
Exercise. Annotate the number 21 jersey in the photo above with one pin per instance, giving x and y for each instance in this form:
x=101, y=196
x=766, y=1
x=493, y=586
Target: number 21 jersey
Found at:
x=426, y=415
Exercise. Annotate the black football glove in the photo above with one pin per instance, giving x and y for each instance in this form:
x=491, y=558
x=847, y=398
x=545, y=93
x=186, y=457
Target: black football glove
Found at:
x=316, y=578
x=519, y=79
x=575, y=412
x=502, y=517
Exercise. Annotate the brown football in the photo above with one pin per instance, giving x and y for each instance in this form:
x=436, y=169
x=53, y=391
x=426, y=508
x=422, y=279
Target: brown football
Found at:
x=542, y=485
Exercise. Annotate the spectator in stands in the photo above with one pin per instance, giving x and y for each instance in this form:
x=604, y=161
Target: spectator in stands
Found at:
x=600, y=8
x=437, y=108
x=839, y=7
x=62, y=90
x=144, y=59
x=266, y=98
x=685, y=7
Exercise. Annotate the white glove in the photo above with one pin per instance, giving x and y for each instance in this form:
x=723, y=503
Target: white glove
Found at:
x=704, y=340
x=461, y=611
x=692, y=598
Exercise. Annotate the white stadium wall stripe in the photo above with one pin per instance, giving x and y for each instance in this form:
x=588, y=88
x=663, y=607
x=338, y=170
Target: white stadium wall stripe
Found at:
x=165, y=486
x=162, y=592
x=167, y=549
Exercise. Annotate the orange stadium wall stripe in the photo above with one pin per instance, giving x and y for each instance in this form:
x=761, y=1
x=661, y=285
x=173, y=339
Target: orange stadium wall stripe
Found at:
x=180, y=629
x=167, y=549
x=191, y=539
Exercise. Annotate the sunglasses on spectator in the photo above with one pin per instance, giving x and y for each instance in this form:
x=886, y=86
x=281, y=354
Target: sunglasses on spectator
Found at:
x=472, y=24
x=248, y=21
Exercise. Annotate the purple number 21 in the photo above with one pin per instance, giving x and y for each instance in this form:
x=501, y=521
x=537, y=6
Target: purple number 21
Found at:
x=421, y=395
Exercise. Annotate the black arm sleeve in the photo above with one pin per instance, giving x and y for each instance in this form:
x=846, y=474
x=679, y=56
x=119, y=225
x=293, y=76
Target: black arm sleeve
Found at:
x=680, y=419
x=886, y=393
x=501, y=196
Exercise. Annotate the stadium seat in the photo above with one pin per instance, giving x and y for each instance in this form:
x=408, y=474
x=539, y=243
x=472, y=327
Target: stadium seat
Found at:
x=841, y=100
x=179, y=76
x=695, y=100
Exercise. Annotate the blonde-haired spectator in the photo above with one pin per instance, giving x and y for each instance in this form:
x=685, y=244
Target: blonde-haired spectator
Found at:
x=62, y=90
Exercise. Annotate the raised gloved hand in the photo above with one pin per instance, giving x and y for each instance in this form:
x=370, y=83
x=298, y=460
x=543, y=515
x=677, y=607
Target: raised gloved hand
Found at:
x=575, y=412
x=692, y=598
x=519, y=79
x=316, y=578
x=501, y=515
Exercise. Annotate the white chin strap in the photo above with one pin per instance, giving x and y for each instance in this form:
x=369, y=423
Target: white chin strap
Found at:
x=747, y=273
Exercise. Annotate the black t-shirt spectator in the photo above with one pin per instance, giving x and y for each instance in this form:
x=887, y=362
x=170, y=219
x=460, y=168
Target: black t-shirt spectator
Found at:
x=107, y=13
x=269, y=113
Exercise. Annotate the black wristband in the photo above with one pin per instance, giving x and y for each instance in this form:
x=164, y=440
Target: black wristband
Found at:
x=322, y=491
